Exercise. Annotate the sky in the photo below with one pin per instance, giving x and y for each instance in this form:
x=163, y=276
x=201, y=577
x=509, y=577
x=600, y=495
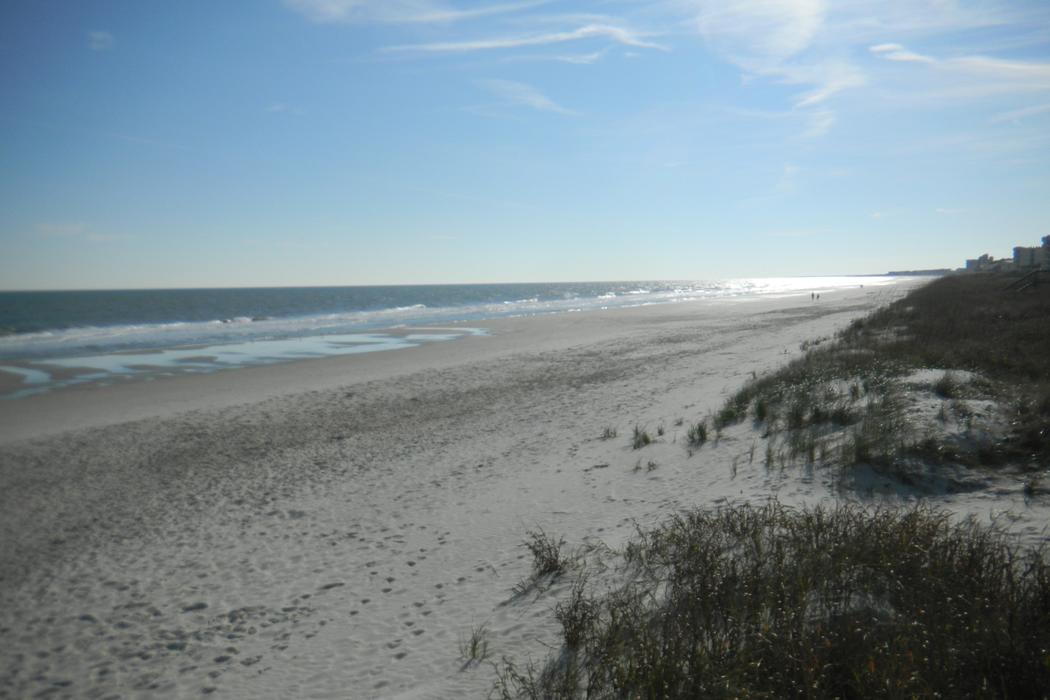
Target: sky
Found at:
x=345, y=142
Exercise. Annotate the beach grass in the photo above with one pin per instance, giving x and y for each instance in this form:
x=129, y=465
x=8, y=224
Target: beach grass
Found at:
x=548, y=554
x=640, y=438
x=770, y=601
x=474, y=647
x=842, y=398
x=696, y=436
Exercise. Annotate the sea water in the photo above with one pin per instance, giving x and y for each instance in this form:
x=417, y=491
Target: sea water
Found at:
x=52, y=339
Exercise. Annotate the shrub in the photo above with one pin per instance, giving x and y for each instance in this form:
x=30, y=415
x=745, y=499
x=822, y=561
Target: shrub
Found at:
x=577, y=615
x=761, y=409
x=844, y=602
x=947, y=387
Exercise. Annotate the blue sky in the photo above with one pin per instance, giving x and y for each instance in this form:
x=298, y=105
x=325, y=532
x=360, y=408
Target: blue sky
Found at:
x=328, y=142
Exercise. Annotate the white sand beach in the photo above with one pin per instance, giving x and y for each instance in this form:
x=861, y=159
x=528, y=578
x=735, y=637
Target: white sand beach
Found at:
x=333, y=528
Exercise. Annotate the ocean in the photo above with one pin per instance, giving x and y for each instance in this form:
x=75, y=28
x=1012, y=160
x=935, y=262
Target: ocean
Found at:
x=53, y=339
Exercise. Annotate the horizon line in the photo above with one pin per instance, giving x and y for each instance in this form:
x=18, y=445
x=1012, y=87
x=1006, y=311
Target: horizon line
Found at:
x=892, y=273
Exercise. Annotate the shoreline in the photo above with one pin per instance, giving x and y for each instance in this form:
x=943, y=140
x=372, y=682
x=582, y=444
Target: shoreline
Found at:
x=93, y=404
x=36, y=362
x=341, y=523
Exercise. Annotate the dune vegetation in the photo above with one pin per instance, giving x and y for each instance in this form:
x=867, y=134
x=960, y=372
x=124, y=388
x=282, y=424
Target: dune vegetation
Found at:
x=851, y=600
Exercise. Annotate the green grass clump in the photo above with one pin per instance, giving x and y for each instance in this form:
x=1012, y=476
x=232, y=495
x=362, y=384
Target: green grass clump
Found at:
x=775, y=602
x=697, y=434
x=547, y=555
x=641, y=438
x=474, y=648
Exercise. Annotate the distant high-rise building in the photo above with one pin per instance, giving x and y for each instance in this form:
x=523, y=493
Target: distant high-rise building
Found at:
x=1031, y=258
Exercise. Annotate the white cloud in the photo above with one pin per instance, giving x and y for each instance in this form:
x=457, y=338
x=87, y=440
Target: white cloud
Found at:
x=778, y=39
x=885, y=48
x=896, y=52
x=1019, y=114
x=829, y=78
x=399, y=11
x=970, y=77
x=820, y=45
x=524, y=95
x=584, y=59
x=973, y=65
x=613, y=33
x=759, y=35
x=581, y=59
x=99, y=41
x=1001, y=69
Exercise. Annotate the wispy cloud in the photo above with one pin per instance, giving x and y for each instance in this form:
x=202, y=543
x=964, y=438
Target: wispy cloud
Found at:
x=821, y=44
x=973, y=77
x=1036, y=74
x=829, y=77
x=400, y=11
x=820, y=123
x=896, y=52
x=1017, y=115
x=576, y=59
x=524, y=95
x=999, y=68
x=582, y=59
x=759, y=35
x=613, y=33
x=776, y=40
x=99, y=41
